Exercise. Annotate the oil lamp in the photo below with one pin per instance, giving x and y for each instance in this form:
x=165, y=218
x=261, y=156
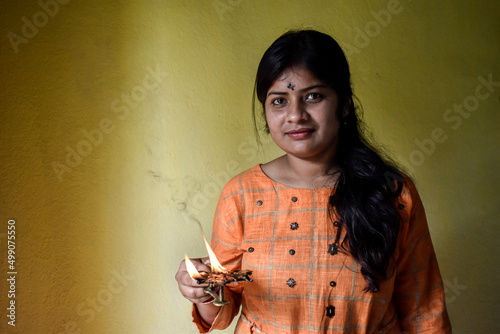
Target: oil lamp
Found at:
x=217, y=278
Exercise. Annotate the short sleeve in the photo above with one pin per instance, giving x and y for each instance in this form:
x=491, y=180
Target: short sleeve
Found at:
x=418, y=289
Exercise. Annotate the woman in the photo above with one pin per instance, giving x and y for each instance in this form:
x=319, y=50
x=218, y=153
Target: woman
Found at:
x=336, y=237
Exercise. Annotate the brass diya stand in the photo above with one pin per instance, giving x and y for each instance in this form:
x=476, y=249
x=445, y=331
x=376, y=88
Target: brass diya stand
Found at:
x=218, y=299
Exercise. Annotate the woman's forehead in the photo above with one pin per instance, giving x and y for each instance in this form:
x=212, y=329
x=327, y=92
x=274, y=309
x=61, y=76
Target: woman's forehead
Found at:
x=295, y=73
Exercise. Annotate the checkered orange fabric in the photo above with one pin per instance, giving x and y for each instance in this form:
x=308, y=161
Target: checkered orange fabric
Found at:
x=301, y=283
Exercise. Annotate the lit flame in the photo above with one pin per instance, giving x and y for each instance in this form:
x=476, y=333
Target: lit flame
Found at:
x=214, y=263
x=191, y=269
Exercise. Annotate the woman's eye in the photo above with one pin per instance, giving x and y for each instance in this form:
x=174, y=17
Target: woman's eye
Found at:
x=279, y=101
x=313, y=97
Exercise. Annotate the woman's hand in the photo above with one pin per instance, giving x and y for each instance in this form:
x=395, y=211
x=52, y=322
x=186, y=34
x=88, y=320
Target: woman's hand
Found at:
x=189, y=287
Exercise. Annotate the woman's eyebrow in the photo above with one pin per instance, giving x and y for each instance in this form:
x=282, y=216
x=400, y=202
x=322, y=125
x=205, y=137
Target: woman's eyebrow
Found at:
x=277, y=93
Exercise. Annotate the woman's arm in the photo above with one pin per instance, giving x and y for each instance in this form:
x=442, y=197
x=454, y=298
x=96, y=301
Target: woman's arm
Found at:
x=193, y=291
x=418, y=289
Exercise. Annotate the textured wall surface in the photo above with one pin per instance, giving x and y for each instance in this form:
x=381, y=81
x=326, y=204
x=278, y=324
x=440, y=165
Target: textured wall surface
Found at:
x=120, y=122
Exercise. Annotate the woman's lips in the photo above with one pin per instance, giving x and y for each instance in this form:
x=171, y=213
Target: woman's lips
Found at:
x=300, y=133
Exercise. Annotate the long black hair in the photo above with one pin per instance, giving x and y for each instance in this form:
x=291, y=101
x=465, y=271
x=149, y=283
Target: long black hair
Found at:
x=368, y=186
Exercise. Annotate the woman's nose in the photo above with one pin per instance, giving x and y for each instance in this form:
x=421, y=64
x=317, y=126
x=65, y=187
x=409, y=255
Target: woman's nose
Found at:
x=297, y=111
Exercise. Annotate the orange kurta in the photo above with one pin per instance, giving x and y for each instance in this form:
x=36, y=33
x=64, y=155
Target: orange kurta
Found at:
x=300, y=284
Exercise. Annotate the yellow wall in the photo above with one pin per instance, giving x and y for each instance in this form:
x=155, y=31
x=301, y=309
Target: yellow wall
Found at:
x=97, y=246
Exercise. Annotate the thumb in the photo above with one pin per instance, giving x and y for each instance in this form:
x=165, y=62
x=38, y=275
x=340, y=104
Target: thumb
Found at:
x=202, y=264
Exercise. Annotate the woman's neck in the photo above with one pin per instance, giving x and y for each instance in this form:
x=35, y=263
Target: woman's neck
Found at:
x=301, y=173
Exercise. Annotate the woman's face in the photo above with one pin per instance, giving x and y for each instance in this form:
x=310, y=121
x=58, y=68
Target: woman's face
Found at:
x=303, y=115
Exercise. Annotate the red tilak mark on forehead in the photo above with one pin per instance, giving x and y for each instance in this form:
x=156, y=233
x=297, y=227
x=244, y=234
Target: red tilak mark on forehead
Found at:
x=291, y=86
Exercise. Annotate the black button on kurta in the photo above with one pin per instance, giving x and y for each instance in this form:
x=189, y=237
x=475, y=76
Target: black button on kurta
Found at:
x=294, y=199
x=251, y=249
x=294, y=226
x=333, y=249
x=291, y=252
x=401, y=206
x=330, y=311
x=333, y=284
x=259, y=203
x=291, y=282
x=336, y=224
